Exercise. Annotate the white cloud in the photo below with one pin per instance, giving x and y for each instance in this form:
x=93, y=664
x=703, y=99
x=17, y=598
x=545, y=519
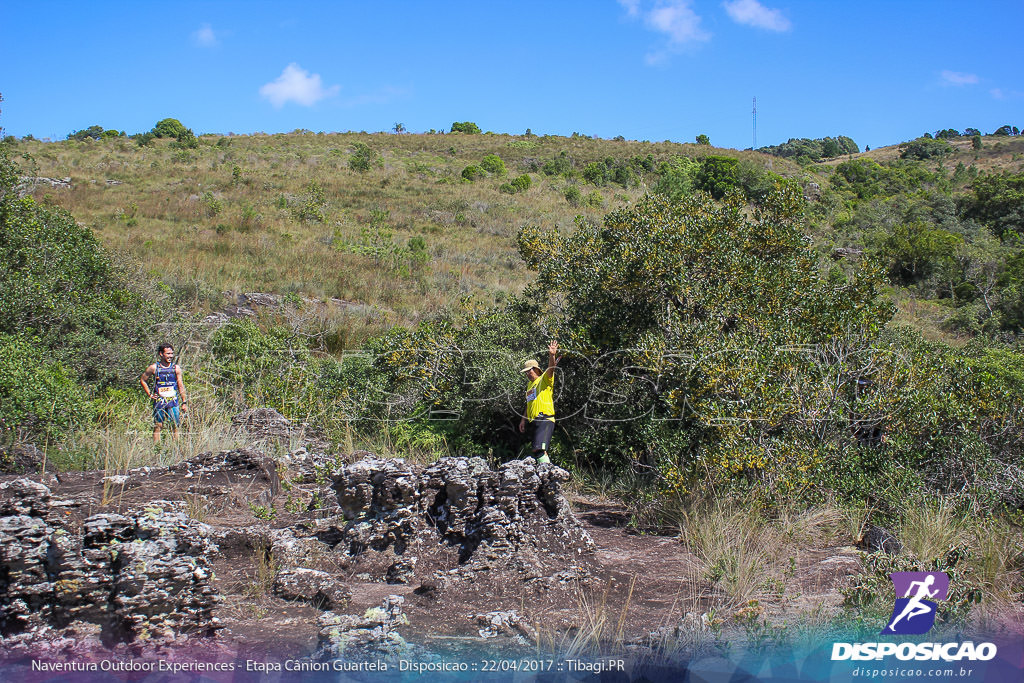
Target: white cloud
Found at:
x=632, y=7
x=753, y=13
x=997, y=93
x=676, y=20
x=205, y=36
x=295, y=84
x=957, y=78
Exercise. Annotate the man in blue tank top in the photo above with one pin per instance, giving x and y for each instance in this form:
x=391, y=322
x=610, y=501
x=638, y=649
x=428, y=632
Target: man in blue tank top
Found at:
x=168, y=393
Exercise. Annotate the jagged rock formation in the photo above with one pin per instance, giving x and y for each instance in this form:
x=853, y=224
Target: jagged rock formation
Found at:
x=514, y=518
x=119, y=577
x=374, y=634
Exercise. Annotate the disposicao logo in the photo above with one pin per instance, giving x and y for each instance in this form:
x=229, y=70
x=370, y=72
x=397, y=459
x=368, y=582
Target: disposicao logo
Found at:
x=914, y=614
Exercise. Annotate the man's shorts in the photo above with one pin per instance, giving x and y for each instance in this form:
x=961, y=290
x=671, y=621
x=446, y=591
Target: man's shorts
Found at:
x=164, y=413
x=542, y=431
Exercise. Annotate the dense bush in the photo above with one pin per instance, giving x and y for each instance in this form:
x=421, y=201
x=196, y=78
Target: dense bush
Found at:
x=925, y=148
x=717, y=175
x=997, y=202
x=914, y=251
x=493, y=164
x=465, y=127
x=671, y=311
x=561, y=165
x=519, y=184
x=705, y=345
x=806, y=150
x=675, y=176
x=169, y=128
x=93, y=132
x=38, y=394
x=473, y=172
x=363, y=158
x=61, y=289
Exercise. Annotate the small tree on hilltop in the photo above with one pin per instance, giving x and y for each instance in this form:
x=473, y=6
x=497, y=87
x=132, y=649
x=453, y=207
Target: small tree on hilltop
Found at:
x=466, y=127
x=703, y=139
x=169, y=128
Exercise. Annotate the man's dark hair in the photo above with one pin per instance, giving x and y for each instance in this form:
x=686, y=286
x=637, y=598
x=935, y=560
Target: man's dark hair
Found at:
x=160, y=349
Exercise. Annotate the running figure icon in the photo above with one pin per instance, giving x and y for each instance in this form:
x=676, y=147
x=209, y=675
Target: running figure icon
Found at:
x=915, y=607
x=915, y=611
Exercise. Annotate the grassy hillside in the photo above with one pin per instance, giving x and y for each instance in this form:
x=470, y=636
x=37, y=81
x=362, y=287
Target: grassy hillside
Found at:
x=410, y=236
x=241, y=213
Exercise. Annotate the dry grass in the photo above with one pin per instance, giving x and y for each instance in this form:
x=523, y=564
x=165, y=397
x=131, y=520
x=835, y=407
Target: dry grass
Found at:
x=748, y=557
x=995, y=556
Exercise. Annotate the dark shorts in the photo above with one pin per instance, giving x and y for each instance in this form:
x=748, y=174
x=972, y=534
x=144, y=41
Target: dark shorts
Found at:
x=164, y=413
x=542, y=431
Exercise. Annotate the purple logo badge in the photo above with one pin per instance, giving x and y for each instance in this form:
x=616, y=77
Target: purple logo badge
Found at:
x=916, y=597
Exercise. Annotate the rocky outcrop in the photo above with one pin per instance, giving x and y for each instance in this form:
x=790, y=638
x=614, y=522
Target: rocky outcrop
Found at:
x=875, y=539
x=310, y=585
x=374, y=634
x=139, y=575
x=511, y=518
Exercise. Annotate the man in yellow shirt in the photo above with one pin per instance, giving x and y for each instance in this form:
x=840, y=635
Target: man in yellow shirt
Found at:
x=540, y=403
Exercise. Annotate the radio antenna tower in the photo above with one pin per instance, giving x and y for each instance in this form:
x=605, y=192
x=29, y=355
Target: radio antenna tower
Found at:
x=754, y=145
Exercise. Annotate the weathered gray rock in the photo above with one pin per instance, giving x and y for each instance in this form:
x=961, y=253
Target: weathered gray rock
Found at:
x=876, y=539
x=514, y=517
x=507, y=623
x=402, y=570
x=374, y=634
x=138, y=575
x=240, y=465
x=318, y=588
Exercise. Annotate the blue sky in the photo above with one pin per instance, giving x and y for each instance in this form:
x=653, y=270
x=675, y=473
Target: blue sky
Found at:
x=878, y=71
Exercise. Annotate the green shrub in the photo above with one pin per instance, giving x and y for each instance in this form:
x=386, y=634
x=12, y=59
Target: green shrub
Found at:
x=716, y=175
x=522, y=183
x=925, y=148
x=703, y=139
x=38, y=395
x=493, y=164
x=997, y=203
x=560, y=165
x=916, y=250
x=573, y=195
x=675, y=176
x=594, y=173
x=363, y=158
x=467, y=127
x=186, y=140
x=169, y=128
x=61, y=287
x=595, y=199
x=805, y=150
x=313, y=207
x=473, y=173
x=92, y=132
